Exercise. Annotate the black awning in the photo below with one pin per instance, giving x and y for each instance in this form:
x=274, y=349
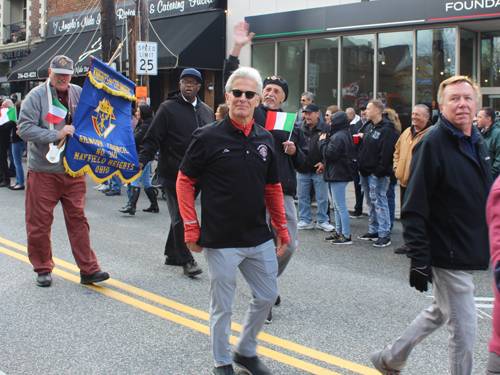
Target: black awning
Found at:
x=77, y=47
x=198, y=39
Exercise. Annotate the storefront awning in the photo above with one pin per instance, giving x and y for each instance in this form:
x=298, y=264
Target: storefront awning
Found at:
x=78, y=47
x=197, y=39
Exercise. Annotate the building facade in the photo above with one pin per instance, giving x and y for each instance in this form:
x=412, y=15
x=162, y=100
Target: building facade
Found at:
x=398, y=51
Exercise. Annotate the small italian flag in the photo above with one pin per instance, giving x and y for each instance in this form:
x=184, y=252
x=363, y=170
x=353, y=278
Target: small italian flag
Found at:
x=8, y=114
x=280, y=121
x=57, y=112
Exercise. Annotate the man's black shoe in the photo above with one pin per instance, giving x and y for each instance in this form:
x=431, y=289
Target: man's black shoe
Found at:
x=224, y=370
x=96, y=277
x=191, y=268
x=169, y=261
x=5, y=183
x=252, y=365
x=44, y=279
x=278, y=301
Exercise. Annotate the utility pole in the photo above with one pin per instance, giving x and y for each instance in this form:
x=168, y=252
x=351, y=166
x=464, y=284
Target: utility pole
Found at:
x=144, y=24
x=108, y=29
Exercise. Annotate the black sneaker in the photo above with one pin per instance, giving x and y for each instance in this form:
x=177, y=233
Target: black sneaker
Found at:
x=252, y=365
x=369, y=237
x=224, y=370
x=96, y=277
x=342, y=240
x=44, y=279
x=383, y=242
x=278, y=301
x=332, y=237
x=356, y=215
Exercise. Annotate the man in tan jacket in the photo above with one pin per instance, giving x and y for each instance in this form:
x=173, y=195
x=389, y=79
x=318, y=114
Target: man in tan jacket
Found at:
x=404, y=149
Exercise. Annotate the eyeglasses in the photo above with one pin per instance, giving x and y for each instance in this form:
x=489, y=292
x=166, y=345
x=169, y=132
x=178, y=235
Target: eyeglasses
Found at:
x=248, y=94
x=189, y=83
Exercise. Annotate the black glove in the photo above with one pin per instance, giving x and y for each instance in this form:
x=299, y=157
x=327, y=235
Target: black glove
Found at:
x=419, y=276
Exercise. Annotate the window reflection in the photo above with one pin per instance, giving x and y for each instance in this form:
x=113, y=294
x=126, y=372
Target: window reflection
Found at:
x=263, y=59
x=322, y=71
x=291, y=60
x=468, y=55
x=435, y=62
x=490, y=59
x=357, y=70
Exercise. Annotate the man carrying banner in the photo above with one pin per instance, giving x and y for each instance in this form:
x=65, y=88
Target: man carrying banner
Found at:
x=48, y=183
x=170, y=132
x=236, y=162
x=290, y=140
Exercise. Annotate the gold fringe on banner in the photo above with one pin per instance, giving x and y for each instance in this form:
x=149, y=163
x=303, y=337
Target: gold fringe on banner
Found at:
x=90, y=172
x=109, y=90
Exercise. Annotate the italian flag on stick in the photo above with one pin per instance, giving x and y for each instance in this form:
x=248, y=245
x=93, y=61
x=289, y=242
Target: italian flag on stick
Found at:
x=8, y=114
x=280, y=121
x=57, y=112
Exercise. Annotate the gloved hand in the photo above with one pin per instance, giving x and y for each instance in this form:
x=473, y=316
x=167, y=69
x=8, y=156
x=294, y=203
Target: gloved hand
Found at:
x=419, y=276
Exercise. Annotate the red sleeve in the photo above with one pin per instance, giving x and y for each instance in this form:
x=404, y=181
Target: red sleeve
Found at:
x=276, y=208
x=185, y=199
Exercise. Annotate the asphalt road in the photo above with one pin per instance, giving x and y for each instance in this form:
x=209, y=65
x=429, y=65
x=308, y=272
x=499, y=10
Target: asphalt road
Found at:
x=339, y=303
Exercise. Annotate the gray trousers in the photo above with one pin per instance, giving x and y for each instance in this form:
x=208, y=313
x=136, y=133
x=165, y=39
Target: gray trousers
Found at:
x=259, y=267
x=454, y=305
x=291, y=223
x=493, y=366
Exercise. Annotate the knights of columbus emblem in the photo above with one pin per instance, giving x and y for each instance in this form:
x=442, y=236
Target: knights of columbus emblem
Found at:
x=102, y=122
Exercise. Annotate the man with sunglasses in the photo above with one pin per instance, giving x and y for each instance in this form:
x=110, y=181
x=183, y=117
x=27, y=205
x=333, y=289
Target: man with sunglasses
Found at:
x=236, y=162
x=293, y=147
x=178, y=117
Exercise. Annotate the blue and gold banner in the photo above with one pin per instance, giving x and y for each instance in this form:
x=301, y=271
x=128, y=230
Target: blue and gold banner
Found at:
x=103, y=143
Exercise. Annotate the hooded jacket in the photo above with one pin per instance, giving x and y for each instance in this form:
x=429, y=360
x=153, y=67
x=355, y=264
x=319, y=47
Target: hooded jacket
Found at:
x=33, y=128
x=404, y=151
x=377, y=149
x=492, y=140
x=170, y=132
x=337, y=150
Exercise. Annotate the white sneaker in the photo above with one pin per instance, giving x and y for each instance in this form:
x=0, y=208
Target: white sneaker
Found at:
x=97, y=187
x=303, y=225
x=326, y=226
x=103, y=187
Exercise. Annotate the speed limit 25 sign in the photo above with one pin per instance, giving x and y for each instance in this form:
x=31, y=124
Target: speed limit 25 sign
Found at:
x=147, y=58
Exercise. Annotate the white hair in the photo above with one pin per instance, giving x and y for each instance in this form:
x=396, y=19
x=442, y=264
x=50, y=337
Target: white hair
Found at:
x=245, y=72
x=8, y=103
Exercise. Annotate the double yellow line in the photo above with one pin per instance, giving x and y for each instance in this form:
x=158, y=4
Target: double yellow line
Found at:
x=203, y=328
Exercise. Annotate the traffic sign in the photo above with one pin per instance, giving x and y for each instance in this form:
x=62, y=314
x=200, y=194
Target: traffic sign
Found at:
x=147, y=58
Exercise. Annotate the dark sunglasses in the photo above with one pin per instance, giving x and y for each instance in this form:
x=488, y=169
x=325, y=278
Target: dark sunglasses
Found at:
x=248, y=94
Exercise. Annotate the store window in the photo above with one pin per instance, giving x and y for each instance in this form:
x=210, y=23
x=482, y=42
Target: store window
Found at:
x=395, y=72
x=14, y=21
x=322, y=72
x=263, y=59
x=468, y=54
x=435, y=62
x=291, y=60
x=357, y=70
x=490, y=59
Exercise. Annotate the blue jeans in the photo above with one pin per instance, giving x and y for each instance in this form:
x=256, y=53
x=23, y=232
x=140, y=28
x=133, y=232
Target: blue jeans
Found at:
x=342, y=224
x=17, y=152
x=391, y=202
x=144, y=177
x=115, y=183
x=375, y=190
x=304, y=183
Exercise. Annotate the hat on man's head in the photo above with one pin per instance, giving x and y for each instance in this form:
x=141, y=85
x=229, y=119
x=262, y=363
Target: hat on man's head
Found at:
x=61, y=65
x=311, y=108
x=363, y=106
x=277, y=80
x=191, y=73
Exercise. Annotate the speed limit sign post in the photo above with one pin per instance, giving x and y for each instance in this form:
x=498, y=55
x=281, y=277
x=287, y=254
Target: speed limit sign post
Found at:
x=147, y=58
